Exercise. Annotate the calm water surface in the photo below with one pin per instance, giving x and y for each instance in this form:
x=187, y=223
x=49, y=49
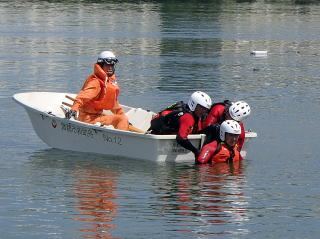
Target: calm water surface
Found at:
x=167, y=49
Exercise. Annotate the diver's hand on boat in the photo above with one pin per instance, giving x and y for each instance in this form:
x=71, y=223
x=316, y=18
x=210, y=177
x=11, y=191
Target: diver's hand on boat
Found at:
x=71, y=113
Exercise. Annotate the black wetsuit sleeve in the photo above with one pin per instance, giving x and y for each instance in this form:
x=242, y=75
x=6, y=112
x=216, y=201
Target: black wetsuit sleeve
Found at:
x=212, y=133
x=187, y=145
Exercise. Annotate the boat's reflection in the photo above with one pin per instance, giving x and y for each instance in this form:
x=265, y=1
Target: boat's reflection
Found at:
x=209, y=199
x=94, y=189
x=197, y=199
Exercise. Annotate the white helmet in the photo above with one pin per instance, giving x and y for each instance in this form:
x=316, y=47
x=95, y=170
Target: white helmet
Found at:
x=229, y=126
x=239, y=110
x=199, y=98
x=107, y=57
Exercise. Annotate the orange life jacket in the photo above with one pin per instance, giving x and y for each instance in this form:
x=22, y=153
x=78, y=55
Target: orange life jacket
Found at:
x=223, y=154
x=109, y=90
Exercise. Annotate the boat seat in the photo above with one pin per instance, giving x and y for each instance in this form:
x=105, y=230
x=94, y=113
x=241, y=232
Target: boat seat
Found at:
x=140, y=118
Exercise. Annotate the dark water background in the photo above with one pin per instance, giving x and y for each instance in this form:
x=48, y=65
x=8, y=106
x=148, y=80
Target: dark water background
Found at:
x=167, y=49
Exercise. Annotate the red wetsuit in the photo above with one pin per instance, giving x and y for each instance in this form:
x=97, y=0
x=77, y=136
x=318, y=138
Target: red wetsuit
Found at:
x=181, y=123
x=188, y=125
x=217, y=115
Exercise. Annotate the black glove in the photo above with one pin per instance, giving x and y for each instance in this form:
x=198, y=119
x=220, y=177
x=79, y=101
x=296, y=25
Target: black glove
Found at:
x=71, y=113
x=196, y=154
x=187, y=145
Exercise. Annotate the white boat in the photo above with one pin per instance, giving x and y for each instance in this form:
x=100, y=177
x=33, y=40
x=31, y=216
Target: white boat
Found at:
x=47, y=118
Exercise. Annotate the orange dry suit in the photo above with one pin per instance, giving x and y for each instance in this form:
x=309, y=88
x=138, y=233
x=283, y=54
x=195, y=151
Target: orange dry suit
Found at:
x=99, y=93
x=225, y=154
x=218, y=152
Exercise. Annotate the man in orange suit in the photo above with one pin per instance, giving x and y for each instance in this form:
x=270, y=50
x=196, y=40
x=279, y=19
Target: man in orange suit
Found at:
x=100, y=92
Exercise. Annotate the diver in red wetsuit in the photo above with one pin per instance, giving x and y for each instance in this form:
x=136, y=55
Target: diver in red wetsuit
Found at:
x=182, y=119
x=220, y=112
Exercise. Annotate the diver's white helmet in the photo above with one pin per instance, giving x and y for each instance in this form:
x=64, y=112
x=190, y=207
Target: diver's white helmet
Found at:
x=199, y=98
x=229, y=126
x=239, y=110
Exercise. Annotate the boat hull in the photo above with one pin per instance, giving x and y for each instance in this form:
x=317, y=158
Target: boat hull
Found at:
x=71, y=135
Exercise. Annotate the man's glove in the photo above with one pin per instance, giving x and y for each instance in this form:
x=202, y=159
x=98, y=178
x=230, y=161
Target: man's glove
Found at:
x=71, y=113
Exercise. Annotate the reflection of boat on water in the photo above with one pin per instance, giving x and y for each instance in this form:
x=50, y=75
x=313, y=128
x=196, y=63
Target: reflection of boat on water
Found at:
x=94, y=189
x=209, y=199
x=91, y=189
x=47, y=118
x=106, y=198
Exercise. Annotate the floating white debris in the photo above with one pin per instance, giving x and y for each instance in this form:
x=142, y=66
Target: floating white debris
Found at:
x=259, y=53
